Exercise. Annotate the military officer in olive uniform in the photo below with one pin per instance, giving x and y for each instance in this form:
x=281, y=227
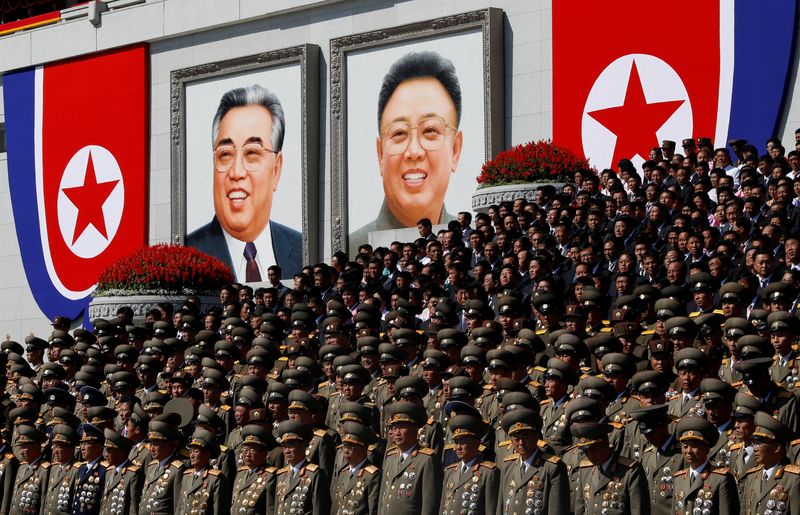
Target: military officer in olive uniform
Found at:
x=30, y=482
x=203, y=489
x=470, y=482
x=531, y=480
x=412, y=475
x=161, y=490
x=123, y=479
x=607, y=483
x=557, y=381
x=661, y=457
x=691, y=365
x=322, y=449
x=774, y=485
x=700, y=486
x=743, y=456
x=59, y=485
x=8, y=471
x=355, y=488
x=254, y=488
x=718, y=397
x=783, y=330
x=302, y=487
x=89, y=478
x=776, y=400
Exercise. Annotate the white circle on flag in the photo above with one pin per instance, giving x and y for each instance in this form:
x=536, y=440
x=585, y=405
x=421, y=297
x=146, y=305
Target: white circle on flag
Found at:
x=90, y=242
x=660, y=83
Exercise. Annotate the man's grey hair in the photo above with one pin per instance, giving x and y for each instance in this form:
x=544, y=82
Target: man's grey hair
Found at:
x=252, y=95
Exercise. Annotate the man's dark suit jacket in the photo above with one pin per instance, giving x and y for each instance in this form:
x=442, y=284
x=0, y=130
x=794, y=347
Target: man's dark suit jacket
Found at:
x=287, y=245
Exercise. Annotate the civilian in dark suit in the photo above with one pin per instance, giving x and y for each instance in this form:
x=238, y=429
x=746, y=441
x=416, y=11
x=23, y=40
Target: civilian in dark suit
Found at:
x=247, y=134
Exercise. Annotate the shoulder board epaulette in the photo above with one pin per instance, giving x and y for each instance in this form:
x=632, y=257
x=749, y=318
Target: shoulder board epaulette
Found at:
x=380, y=382
x=177, y=464
x=794, y=469
x=281, y=471
x=681, y=472
x=334, y=394
x=488, y=387
x=626, y=462
x=188, y=472
x=540, y=369
x=312, y=467
x=430, y=421
x=718, y=312
x=606, y=322
x=694, y=314
x=541, y=444
x=751, y=470
x=649, y=448
x=323, y=384
x=534, y=383
x=488, y=464
x=223, y=448
x=795, y=442
x=215, y=472
x=271, y=470
x=283, y=358
x=585, y=463
x=736, y=446
x=9, y=455
x=452, y=466
x=372, y=447
x=154, y=463
x=165, y=392
x=371, y=469
x=546, y=401
x=134, y=468
x=617, y=425
x=737, y=384
x=504, y=443
x=319, y=432
x=606, y=329
x=553, y=459
x=45, y=465
x=649, y=331
x=541, y=331
x=225, y=407
x=511, y=457
x=427, y=451
x=392, y=452
x=722, y=471
x=481, y=447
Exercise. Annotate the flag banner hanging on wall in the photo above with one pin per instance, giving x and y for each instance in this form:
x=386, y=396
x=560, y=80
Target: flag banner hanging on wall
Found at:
x=622, y=84
x=77, y=160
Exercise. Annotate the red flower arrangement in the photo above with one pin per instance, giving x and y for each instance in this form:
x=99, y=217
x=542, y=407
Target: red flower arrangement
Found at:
x=535, y=161
x=164, y=269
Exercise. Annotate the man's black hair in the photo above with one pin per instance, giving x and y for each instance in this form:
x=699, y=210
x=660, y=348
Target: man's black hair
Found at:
x=417, y=65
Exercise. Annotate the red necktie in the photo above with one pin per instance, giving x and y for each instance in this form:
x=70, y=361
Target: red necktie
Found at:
x=251, y=270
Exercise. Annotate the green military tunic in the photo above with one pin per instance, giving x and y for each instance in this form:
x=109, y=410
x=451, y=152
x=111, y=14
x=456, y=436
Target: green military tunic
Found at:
x=475, y=489
x=161, y=489
x=140, y=454
x=741, y=461
x=411, y=486
x=554, y=428
x=778, y=494
x=304, y=493
x=356, y=494
x=714, y=490
x=8, y=472
x=59, y=488
x=659, y=465
x=30, y=485
x=203, y=493
x=122, y=491
x=322, y=450
x=619, y=489
x=542, y=488
x=254, y=491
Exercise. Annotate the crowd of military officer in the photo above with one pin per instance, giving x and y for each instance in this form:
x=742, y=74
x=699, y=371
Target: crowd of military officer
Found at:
x=654, y=412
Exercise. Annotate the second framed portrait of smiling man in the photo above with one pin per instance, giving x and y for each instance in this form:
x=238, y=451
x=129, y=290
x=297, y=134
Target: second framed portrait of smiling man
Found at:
x=416, y=111
x=245, y=160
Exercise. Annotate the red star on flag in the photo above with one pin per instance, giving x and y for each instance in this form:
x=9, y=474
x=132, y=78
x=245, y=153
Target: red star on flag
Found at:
x=89, y=200
x=636, y=121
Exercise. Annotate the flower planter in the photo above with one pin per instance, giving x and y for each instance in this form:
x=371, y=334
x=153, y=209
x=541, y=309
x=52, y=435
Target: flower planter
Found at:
x=107, y=306
x=493, y=195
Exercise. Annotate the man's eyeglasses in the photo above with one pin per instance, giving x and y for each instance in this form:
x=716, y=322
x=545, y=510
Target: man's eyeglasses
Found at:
x=253, y=156
x=431, y=132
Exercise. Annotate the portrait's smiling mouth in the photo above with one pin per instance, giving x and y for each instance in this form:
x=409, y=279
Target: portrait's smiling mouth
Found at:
x=237, y=196
x=415, y=178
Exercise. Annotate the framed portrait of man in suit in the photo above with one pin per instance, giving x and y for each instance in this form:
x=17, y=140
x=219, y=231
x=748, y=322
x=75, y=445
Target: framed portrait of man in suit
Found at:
x=245, y=158
x=416, y=111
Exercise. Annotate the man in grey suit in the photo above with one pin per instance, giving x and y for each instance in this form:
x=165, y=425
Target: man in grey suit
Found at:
x=247, y=135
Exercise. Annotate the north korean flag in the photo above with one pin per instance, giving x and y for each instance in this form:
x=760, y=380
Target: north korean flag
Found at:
x=628, y=74
x=77, y=160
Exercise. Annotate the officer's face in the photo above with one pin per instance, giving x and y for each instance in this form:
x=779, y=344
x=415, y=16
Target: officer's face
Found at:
x=353, y=454
x=293, y=452
x=198, y=457
x=690, y=379
x=782, y=341
x=30, y=451
x=525, y=443
x=744, y=427
x=62, y=452
x=767, y=452
x=466, y=448
x=90, y=451
x=403, y=435
x=415, y=180
x=695, y=453
x=161, y=450
x=242, y=199
x=718, y=412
